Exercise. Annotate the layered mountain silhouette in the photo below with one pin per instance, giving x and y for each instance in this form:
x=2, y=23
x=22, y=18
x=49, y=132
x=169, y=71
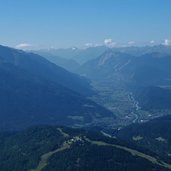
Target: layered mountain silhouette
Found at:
x=148, y=69
x=148, y=76
x=35, y=91
x=81, y=56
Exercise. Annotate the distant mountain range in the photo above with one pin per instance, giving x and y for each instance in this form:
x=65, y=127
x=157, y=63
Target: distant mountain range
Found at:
x=149, y=69
x=79, y=55
x=143, y=72
x=148, y=64
x=82, y=56
x=148, y=76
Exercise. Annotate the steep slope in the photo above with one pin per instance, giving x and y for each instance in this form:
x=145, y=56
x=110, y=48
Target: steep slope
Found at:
x=107, y=68
x=84, y=55
x=149, y=69
x=37, y=65
x=56, y=148
x=29, y=96
x=153, y=98
x=69, y=64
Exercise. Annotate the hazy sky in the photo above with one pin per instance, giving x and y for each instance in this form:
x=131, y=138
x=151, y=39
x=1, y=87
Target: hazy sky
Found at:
x=67, y=23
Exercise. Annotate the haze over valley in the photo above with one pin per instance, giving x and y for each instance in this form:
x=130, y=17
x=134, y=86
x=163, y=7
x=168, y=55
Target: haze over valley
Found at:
x=85, y=85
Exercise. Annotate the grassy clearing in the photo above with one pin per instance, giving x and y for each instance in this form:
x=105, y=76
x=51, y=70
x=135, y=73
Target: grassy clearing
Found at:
x=45, y=157
x=63, y=133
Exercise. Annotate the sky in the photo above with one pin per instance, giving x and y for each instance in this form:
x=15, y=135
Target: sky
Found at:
x=77, y=23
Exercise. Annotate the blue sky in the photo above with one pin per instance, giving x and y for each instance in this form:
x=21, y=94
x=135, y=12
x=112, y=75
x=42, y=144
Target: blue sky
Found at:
x=67, y=23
